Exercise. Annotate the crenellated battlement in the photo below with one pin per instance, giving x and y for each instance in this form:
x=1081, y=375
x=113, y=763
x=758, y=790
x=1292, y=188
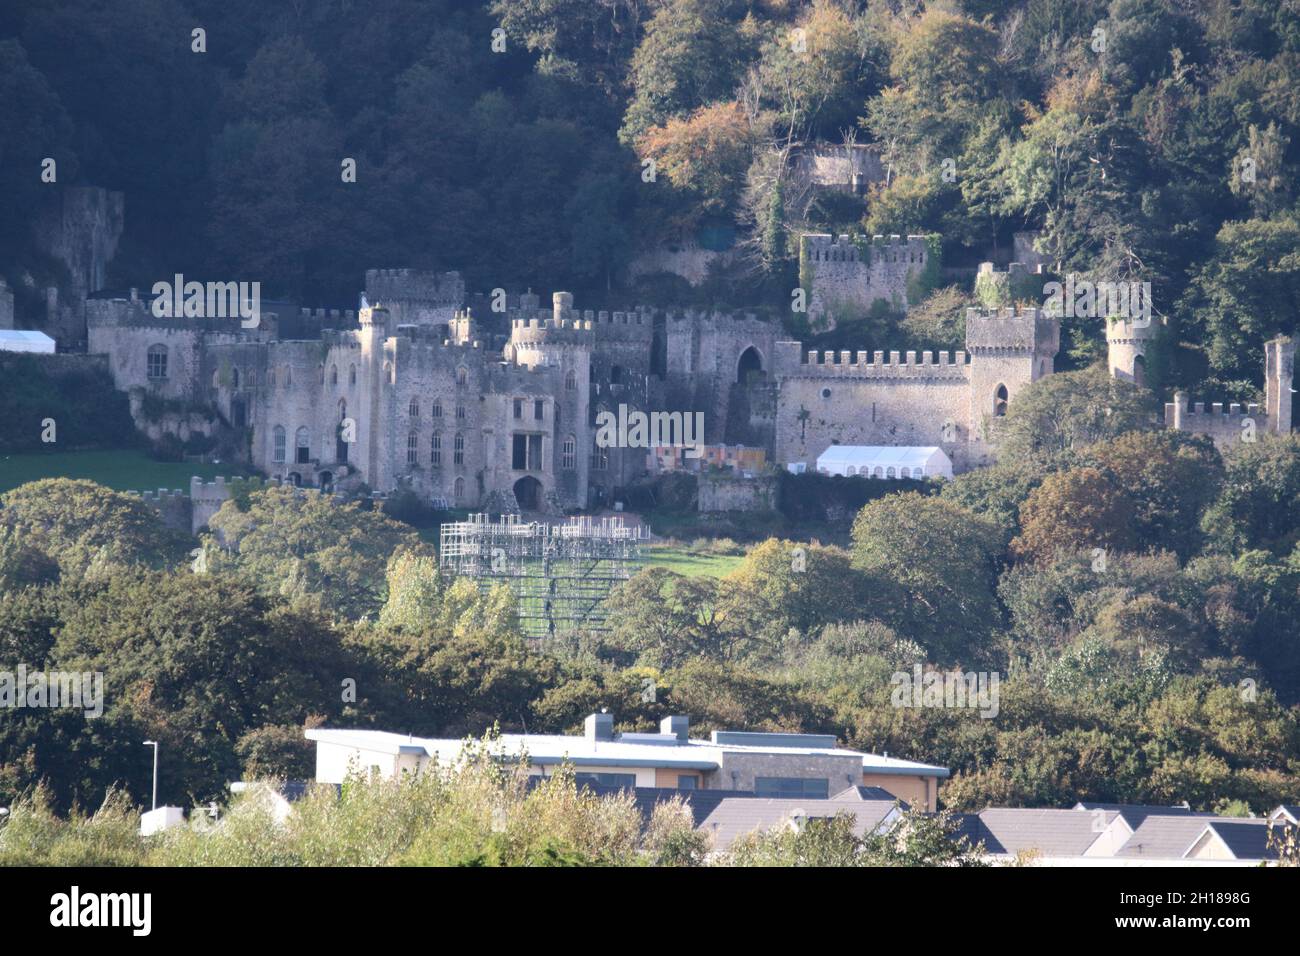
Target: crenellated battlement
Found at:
x=1010, y=330
x=877, y=364
x=416, y=286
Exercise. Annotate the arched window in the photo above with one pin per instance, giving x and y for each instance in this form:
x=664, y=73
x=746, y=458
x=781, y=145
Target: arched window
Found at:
x=458, y=450
x=460, y=413
x=320, y=373
x=1000, y=401
x=462, y=376
x=458, y=489
x=880, y=472
x=570, y=453
x=599, y=456
x=414, y=408
x=889, y=472
x=435, y=450
x=352, y=374
x=334, y=374
x=436, y=409
x=234, y=378
x=272, y=377
x=302, y=446
x=905, y=473
x=389, y=373
x=288, y=375
x=278, y=444
x=412, y=449
x=156, y=362
x=570, y=380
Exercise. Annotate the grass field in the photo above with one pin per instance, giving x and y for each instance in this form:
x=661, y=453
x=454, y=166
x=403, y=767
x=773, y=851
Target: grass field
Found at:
x=121, y=470
x=690, y=564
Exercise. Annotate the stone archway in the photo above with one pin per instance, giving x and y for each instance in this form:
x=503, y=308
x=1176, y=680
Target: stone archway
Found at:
x=528, y=493
x=750, y=366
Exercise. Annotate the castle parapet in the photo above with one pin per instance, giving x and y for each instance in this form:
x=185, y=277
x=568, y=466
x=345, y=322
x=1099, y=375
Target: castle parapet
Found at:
x=1010, y=330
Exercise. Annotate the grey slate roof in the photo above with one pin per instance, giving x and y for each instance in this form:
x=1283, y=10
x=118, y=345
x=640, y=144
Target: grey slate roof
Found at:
x=1168, y=838
x=1052, y=833
x=1246, y=839
x=1135, y=814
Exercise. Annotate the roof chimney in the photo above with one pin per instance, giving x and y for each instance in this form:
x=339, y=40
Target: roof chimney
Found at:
x=599, y=727
x=679, y=727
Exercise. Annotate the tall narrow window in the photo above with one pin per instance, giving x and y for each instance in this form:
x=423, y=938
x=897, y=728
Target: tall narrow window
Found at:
x=414, y=408
x=436, y=410
x=462, y=376
x=334, y=374
x=460, y=412
x=278, y=445
x=539, y=409
x=570, y=380
x=1000, y=401
x=352, y=374
x=570, y=453
x=435, y=450
x=302, y=446
x=519, y=408
x=458, y=450
x=156, y=359
x=458, y=489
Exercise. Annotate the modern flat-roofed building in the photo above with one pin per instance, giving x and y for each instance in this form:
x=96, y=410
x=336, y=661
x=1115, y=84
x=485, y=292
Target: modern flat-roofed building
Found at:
x=786, y=766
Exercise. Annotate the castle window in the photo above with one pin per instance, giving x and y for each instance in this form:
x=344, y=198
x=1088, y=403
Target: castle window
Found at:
x=272, y=377
x=826, y=393
x=570, y=453
x=519, y=408
x=334, y=374
x=288, y=376
x=458, y=489
x=390, y=373
x=320, y=369
x=412, y=449
x=570, y=380
x=599, y=457
x=460, y=412
x=234, y=378
x=414, y=408
x=435, y=450
x=302, y=446
x=352, y=374
x=616, y=375
x=462, y=376
x=156, y=362
x=278, y=444
x=436, y=410
x=458, y=451
x=1000, y=401
x=539, y=409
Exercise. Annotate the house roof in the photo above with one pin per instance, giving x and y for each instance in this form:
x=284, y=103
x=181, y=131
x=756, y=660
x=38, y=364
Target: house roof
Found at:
x=1245, y=839
x=1289, y=812
x=1168, y=837
x=628, y=750
x=899, y=456
x=1052, y=833
x=1135, y=813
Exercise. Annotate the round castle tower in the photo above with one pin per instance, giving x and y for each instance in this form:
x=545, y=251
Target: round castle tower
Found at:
x=1128, y=341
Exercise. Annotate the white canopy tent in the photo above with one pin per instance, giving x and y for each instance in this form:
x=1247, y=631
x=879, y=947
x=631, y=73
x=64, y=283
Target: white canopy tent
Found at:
x=885, y=461
x=24, y=340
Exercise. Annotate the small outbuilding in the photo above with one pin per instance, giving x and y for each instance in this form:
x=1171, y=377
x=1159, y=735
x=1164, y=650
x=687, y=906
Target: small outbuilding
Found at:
x=885, y=461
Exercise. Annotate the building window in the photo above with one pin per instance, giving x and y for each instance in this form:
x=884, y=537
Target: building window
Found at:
x=599, y=457
x=390, y=373
x=352, y=375
x=414, y=408
x=539, y=409
x=156, y=362
x=436, y=410
x=462, y=376
x=334, y=374
x=460, y=413
x=413, y=449
x=687, y=781
x=1000, y=401
x=435, y=450
x=570, y=380
x=626, y=781
x=458, y=489
x=234, y=378
x=278, y=444
x=816, y=788
x=570, y=453
x=519, y=408
x=826, y=393
x=302, y=446
x=458, y=450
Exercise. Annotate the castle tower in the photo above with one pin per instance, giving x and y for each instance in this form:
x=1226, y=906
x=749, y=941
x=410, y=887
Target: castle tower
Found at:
x=1279, y=371
x=1008, y=348
x=375, y=365
x=1128, y=341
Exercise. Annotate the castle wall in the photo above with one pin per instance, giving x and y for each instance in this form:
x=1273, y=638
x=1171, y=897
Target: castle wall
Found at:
x=848, y=278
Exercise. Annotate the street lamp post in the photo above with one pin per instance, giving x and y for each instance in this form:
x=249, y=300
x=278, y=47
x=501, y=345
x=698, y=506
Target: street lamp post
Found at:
x=154, y=745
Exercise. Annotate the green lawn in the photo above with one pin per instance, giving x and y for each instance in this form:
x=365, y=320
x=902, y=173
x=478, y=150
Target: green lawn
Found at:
x=122, y=470
x=689, y=563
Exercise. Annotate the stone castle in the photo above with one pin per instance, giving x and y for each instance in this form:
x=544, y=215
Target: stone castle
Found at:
x=470, y=406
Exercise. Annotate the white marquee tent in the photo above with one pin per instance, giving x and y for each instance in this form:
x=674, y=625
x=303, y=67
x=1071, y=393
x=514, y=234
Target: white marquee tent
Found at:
x=884, y=461
x=24, y=340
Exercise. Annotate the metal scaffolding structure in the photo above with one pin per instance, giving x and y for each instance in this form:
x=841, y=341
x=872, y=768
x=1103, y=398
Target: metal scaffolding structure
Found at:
x=560, y=573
